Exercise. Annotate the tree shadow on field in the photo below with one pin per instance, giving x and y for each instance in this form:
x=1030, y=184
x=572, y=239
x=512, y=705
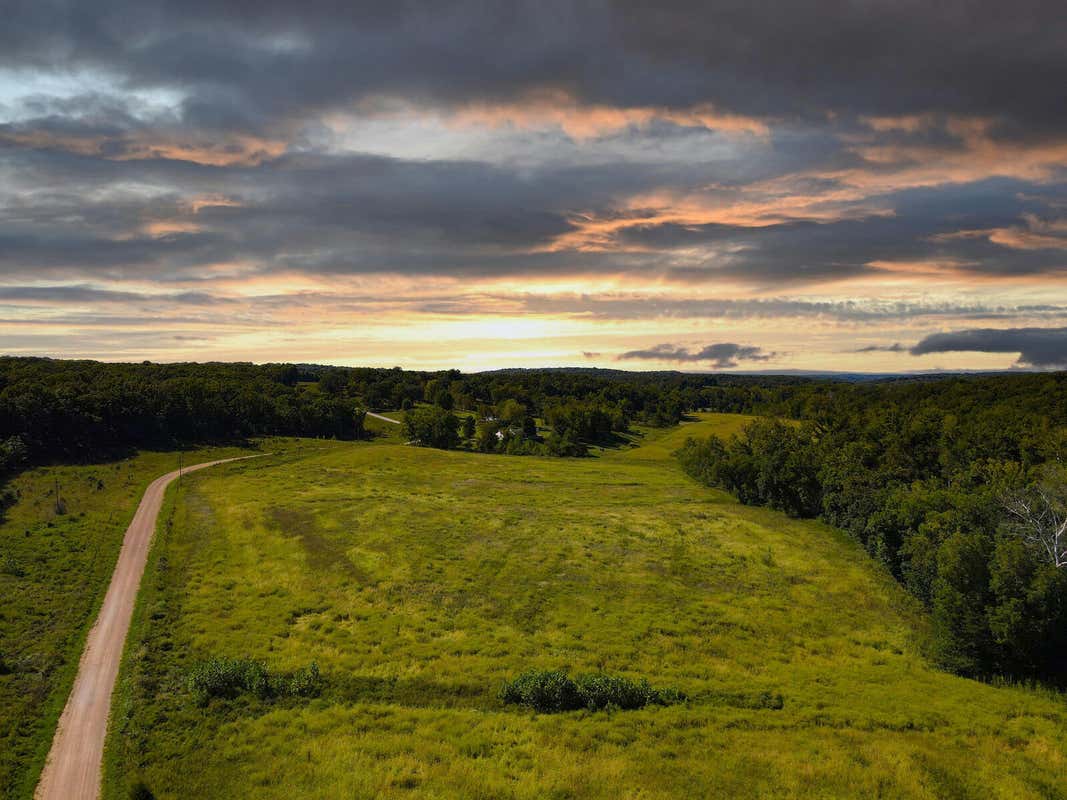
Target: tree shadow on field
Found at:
x=414, y=692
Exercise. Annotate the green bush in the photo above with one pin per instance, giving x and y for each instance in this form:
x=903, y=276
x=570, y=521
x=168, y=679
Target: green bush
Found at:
x=545, y=691
x=228, y=678
x=551, y=691
x=601, y=691
x=305, y=682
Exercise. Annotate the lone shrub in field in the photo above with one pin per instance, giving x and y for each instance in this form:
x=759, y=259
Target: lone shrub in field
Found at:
x=551, y=691
x=543, y=691
x=229, y=677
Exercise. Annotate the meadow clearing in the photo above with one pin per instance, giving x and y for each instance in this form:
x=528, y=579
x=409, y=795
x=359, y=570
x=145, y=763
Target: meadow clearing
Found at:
x=55, y=564
x=419, y=580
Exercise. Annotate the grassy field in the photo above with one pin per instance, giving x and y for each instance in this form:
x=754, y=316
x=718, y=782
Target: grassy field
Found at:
x=420, y=580
x=54, y=569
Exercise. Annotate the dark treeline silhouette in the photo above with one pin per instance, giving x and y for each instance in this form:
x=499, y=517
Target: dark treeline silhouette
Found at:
x=84, y=410
x=957, y=485
x=54, y=410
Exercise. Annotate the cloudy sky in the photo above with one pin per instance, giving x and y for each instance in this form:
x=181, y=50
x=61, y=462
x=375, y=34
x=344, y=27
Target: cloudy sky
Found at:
x=739, y=185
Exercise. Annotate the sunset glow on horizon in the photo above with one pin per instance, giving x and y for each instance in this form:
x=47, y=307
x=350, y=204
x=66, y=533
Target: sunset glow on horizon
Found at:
x=521, y=185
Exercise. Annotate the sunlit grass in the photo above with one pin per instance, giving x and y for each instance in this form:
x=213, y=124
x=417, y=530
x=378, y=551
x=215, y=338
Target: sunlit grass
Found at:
x=58, y=568
x=420, y=580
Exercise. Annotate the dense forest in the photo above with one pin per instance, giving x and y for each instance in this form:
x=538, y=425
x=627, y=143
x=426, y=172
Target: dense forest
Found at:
x=957, y=485
x=82, y=410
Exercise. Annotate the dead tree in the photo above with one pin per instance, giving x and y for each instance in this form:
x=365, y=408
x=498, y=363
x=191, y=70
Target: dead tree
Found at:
x=1039, y=517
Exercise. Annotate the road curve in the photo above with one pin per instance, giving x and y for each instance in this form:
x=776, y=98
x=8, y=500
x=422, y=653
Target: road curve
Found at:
x=73, y=768
x=384, y=418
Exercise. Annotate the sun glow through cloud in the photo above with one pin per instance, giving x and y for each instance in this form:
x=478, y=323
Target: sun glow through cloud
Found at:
x=350, y=190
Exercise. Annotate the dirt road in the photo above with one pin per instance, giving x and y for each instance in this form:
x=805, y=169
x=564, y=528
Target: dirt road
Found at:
x=384, y=419
x=73, y=769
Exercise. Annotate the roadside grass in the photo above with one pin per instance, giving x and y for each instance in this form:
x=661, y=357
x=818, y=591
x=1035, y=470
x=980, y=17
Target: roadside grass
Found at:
x=420, y=580
x=54, y=571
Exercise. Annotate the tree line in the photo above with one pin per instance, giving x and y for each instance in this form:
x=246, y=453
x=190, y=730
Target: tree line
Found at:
x=76, y=411
x=82, y=410
x=957, y=485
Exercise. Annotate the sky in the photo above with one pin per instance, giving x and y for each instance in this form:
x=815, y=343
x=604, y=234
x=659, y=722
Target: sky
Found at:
x=721, y=185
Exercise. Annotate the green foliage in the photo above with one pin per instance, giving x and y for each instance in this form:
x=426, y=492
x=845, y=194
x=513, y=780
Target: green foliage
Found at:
x=585, y=421
x=770, y=463
x=13, y=453
x=959, y=603
x=83, y=410
x=432, y=426
x=306, y=682
x=599, y=691
x=551, y=691
x=543, y=691
x=919, y=472
x=227, y=678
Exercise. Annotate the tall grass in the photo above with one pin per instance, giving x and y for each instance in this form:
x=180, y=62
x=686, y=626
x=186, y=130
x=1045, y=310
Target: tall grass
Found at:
x=421, y=581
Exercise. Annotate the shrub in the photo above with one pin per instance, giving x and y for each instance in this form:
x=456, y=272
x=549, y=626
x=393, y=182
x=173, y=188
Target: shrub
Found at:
x=305, y=682
x=140, y=791
x=600, y=691
x=552, y=691
x=545, y=691
x=228, y=678
x=772, y=700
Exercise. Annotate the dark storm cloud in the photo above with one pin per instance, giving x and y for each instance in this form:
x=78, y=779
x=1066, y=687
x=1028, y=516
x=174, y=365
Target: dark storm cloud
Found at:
x=246, y=64
x=357, y=214
x=1037, y=347
x=722, y=355
x=321, y=213
x=917, y=225
x=94, y=184
x=311, y=212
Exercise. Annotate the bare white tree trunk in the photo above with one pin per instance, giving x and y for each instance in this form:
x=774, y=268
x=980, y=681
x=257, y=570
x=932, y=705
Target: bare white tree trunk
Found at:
x=1040, y=519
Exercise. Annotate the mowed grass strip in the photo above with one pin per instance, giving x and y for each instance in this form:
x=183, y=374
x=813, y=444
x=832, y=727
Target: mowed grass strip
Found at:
x=419, y=581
